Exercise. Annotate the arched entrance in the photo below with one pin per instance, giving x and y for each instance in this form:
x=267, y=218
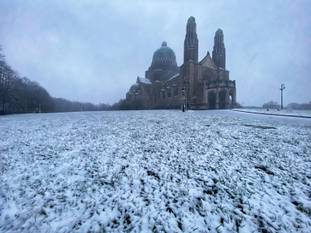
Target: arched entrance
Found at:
x=222, y=99
x=211, y=100
x=230, y=101
x=231, y=98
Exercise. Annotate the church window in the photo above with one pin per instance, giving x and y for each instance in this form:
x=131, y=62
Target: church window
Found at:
x=169, y=93
x=175, y=91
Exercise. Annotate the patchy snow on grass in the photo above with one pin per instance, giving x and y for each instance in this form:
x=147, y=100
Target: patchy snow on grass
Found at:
x=155, y=171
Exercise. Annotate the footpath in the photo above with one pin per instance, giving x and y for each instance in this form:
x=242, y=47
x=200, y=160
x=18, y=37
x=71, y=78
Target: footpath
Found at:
x=283, y=114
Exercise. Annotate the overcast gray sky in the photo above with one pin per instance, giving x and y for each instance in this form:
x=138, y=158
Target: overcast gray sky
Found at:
x=93, y=50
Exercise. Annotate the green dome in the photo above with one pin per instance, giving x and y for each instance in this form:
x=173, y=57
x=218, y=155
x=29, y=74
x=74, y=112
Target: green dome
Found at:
x=164, y=58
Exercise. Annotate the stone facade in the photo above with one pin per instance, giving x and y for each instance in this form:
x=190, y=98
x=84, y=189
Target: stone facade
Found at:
x=195, y=84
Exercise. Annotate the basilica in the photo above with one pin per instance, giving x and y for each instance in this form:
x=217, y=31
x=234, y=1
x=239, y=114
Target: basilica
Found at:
x=203, y=84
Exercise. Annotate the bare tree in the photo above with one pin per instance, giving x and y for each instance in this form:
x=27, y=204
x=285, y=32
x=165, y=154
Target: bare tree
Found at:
x=21, y=95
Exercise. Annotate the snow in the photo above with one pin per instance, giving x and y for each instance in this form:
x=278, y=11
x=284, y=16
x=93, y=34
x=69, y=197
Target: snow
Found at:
x=155, y=171
x=144, y=80
x=174, y=76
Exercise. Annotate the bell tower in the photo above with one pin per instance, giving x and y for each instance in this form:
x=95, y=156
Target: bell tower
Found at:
x=191, y=41
x=219, y=51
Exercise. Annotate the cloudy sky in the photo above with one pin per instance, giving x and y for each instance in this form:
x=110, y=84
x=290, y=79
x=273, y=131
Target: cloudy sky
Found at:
x=93, y=50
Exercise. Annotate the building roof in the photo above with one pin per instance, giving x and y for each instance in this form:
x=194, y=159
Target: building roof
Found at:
x=208, y=62
x=143, y=80
x=173, y=77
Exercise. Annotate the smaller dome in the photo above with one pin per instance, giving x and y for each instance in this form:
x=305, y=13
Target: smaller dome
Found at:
x=164, y=44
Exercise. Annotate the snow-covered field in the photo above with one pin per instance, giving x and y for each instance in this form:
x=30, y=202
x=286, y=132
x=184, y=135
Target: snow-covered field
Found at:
x=155, y=171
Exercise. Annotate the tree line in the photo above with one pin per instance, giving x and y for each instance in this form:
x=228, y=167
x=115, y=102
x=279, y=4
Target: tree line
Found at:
x=295, y=106
x=21, y=95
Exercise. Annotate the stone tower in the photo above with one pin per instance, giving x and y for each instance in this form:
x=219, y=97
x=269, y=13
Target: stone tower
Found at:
x=189, y=69
x=219, y=51
x=191, y=41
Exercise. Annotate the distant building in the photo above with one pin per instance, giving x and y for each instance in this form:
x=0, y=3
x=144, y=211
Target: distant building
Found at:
x=198, y=84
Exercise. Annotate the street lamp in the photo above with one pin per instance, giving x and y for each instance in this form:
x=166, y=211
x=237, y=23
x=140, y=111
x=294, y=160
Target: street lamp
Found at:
x=282, y=89
x=183, y=98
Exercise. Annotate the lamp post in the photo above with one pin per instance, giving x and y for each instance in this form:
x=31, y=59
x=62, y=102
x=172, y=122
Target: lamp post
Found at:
x=282, y=89
x=183, y=99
